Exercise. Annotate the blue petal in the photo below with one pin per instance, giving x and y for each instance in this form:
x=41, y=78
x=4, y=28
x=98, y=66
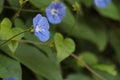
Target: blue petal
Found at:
x=55, y=19
x=43, y=36
x=36, y=19
x=43, y=23
x=59, y=5
x=10, y=79
x=102, y=3
x=61, y=11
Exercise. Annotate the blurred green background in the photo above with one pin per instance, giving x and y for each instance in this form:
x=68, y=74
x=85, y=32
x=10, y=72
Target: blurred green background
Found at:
x=94, y=35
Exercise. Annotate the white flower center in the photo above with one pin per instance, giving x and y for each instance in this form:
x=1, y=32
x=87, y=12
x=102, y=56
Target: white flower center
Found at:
x=54, y=11
x=39, y=29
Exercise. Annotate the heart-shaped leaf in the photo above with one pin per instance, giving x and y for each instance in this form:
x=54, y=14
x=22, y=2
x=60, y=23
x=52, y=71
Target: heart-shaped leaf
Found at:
x=64, y=47
x=6, y=32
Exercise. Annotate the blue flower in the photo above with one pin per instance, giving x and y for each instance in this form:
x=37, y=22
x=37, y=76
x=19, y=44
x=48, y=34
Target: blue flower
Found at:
x=10, y=78
x=56, y=12
x=102, y=3
x=41, y=28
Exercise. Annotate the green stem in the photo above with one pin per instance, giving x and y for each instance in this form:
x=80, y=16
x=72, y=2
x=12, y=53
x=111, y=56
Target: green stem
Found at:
x=87, y=67
x=14, y=36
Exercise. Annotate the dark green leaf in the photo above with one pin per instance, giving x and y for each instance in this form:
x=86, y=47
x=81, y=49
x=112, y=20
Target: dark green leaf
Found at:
x=111, y=11
x=9, y=67
x=38, y=62
x=1, y=5
x=82, y=30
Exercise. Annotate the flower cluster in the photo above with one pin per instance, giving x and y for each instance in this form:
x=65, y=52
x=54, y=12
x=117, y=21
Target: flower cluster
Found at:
x=55, y=13
x=102, y=3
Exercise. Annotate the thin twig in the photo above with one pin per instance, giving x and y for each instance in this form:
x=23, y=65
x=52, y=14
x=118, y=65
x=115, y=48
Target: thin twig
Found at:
x=18, y=12
x=87, y=67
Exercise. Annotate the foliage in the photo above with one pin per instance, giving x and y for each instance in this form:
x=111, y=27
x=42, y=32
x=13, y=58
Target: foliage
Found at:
x=82, y=41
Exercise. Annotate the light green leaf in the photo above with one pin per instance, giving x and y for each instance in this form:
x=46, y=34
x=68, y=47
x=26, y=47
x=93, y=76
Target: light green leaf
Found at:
x=5, y=29
x=105, y=75
x=40, y=3
x=111, y=11
x=6, y=24
x=13, y=45
x=108, y=68
x=64, y=47
x=21, y=2
x=6, y=33
x=9, y=67
x=89, y=58
x=17, y=31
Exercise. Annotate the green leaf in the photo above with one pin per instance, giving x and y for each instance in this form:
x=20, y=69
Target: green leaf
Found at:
x=40, y=3
x=83, y=30
x=105, y=75
x=40, y=64
x=17, y=31
x=89, y=58
x=5, y=31
x=108, y=68
x=115, y=42
x=6, y=24
x=78, y=77
x=14, y=4
x=111, y=11
x=64, y=47
x=19, y=23
x=9, y=67
x=21, y=2
x=1, y=5
x=13, y=45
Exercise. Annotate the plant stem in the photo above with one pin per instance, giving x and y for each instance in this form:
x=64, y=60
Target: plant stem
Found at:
x=87, y=67
x=19, y=10
x=32, y=42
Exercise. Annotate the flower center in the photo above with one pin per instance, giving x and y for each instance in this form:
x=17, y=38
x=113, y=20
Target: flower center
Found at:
x=54, y=11
x=39, y=29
